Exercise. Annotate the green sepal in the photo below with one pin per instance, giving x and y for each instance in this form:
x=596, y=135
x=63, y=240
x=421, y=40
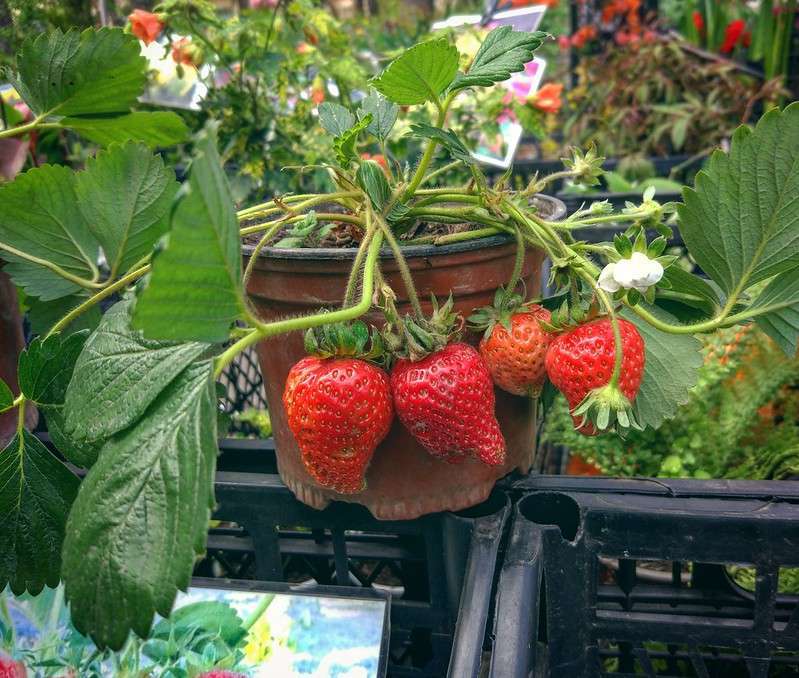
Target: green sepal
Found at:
x=352, y=340
x=623, y=245
x=656, y=247
x=505, y=304
x=633, y=297
x=640, y=242
x=419, y=337
x=607, y=408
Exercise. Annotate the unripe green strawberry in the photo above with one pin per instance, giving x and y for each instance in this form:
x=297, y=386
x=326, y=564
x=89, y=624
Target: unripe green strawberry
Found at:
x=446, y=401
x=339, y=410
x=580, y=365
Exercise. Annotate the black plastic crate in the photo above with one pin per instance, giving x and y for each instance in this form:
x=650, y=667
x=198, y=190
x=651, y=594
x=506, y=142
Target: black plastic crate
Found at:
x=438, y=570
x=619, y=577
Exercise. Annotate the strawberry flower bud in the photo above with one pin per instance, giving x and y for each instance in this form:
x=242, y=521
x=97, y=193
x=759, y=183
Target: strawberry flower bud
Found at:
x=639, y=272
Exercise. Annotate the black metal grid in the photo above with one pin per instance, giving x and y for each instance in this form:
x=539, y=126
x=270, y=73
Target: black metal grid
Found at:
x=629, y=578
x=243, y=389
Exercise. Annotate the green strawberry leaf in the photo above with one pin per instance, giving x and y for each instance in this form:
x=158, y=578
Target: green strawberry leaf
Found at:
x=384, y=114
x=6, y=396
x=156, y=128
x=344, y=144
x=419, y=74
x=36, y=492
x=504, y=51
x=219, y=620
x=741, y=221
x=125, y=194
x=42, y=227
x=93, y=72
x=689, y=290
x=776, y=311
x=335, y=118
x=45, y=367
x=142, y=514
x=371, y=179
x=671, y=369
x=194, y=291
x=118, y=375
x=447, y=138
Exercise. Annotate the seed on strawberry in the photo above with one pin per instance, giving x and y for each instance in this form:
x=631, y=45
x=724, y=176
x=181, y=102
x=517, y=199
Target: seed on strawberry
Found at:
x=446, y=401
x=580, y=365
x=339, y=410
x=516, y=355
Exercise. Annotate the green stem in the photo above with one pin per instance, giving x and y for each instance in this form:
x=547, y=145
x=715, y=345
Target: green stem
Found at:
x=405, y=271
x=427, y=156
x=357, y=264
x=321, y=216
x=518, y=262
x=270, y=233
x=94, y=299
x=443, y=199
x=264, y=330
x=441, y=170
x=257, y=613
x=695, y=328
x=605, y=219
x=464, y=236
x=304, y=201
x=543, y=182
x=55, y=268
x=21, y=129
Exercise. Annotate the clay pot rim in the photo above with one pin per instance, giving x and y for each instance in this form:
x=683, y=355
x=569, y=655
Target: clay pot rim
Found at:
x=344, y=253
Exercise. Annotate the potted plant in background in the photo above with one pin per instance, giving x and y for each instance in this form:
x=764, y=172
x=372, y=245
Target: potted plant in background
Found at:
x=134, y=401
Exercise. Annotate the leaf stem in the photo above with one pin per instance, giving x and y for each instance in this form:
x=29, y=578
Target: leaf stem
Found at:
x=258, y=612
x=94, y=299
x=21, y=129
x=357, y=264
x=304, y=201
x=264, y=330
x=55, y=268
x=404, y=269
x=518, y=262
x=430, y=150
x=321, y=216
x=441, y=170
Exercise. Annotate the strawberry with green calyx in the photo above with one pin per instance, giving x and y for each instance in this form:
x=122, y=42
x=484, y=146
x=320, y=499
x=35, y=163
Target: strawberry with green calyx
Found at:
x=443, y=393
x=514, y=344
x=580, y=364
x=339, y=405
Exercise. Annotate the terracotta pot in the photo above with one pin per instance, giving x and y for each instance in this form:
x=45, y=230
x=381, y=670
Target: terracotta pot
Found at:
x=403, y=480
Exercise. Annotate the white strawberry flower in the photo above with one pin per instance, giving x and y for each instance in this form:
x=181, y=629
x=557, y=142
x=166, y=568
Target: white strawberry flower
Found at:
x=639, y=272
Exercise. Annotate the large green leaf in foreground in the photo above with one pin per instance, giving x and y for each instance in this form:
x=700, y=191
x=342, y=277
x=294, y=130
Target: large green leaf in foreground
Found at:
x=194, y=291
x=36, y=492
x=142, y=514
x=118, y=375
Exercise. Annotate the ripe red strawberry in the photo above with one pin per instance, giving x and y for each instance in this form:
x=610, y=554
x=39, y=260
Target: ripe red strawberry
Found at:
x=580, y=364
x=339, y=409
x=446, y=401
x=516, y=355
x=11, y=669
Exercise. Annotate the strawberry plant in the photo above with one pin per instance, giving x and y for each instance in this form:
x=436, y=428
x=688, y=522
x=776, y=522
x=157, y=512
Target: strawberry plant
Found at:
x=131, y=397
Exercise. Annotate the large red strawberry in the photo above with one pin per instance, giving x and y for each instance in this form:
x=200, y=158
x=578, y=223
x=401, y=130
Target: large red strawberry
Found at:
x=339, y=409
x=514, y=345
x=11, y=669
x=580, y=365
x=446, y=401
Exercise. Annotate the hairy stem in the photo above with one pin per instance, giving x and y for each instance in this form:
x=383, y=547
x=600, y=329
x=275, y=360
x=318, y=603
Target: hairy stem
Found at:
x=405, y=271
x=441, y=170
x=357, y=264
x=518, y=262
x=21, y=129
x=123, y=282
x=430, y=150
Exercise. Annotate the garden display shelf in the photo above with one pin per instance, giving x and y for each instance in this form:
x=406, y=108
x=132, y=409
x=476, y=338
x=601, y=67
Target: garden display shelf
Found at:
x=438, y=570
x=560, y=610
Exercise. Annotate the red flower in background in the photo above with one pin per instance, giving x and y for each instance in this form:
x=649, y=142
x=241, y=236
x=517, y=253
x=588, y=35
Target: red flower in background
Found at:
x=732, y=34
x=583, y=35
x=183, y=52
x=145, y=25
x=547, y=99
x=699, y=22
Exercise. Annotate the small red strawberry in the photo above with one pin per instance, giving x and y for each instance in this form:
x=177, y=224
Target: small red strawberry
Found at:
x=514, y=345
x=580, y=365
x=443, y=393
x=339, y=408
x=11, y=669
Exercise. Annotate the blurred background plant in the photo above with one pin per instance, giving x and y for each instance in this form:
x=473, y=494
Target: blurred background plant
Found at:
x=741, y=420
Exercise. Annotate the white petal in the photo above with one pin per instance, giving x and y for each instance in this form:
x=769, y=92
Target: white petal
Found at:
x=606, y=279
x=624, y=273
